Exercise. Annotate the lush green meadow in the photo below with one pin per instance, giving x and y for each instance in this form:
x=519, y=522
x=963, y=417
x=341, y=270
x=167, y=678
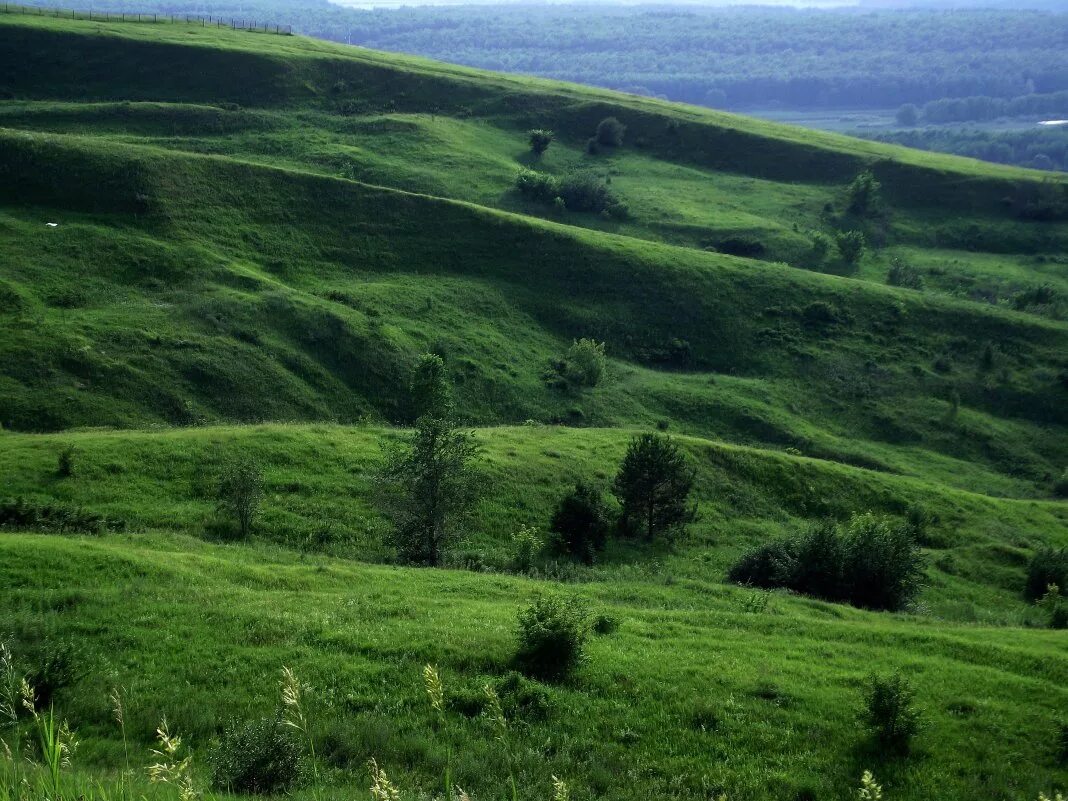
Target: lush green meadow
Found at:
x=255, y=239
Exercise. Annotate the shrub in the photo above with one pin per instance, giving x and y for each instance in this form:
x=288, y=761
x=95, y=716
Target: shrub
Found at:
x=526, y=545
x=850, y=246
x=1060, y=742
x=261, y=757
x=890, y=712
x=873, y=563
x=818, y=563
x=539, y=186
x=584, y=191
x=820, y=249
x=746, y=246
x=552, y=633
x=882, y=566
x=819, y=313
x=65, y=462
x=52, y=666
x=580, y=523
x=903, y=275
x=768, y=566
x=240, y=491
x=653, y=486
x=1048, y=566
x=585, y=362
x=540, y=139
x=1060, y=486
x=864, y=195
x=610, y=132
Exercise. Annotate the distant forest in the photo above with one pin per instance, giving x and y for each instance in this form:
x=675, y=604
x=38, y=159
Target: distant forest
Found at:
x=953, y=66
x=735, y=58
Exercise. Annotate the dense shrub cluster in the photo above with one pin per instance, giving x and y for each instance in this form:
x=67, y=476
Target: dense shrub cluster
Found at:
x=578, y=191
x=871, y=562
x=22, y=514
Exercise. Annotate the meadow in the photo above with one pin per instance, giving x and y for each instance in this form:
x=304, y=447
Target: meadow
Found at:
x=254, y=240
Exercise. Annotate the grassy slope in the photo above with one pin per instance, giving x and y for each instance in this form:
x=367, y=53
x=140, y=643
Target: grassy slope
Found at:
x=286, y=260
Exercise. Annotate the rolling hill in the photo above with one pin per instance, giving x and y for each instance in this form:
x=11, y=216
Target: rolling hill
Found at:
x=217, y=241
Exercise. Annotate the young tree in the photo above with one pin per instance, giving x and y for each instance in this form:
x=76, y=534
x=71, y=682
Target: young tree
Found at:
x=580, y=523
x=429, y=390
x=429, y=486
x=865, y=195
x=240, y=491
x=540, y=139
x=653, y=485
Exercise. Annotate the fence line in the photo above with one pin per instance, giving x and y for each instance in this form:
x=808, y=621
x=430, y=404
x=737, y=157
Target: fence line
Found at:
x=204, y=21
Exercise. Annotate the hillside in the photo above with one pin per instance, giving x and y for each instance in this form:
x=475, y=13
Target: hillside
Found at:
x=217, y=242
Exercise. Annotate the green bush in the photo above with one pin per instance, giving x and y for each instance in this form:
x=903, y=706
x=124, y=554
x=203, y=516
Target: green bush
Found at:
x=850, y=246
x=580, y=523
x=890, y=712
x=584, y=191
x=865, y=195
x=65, y=462
x=262, y=757
x=552, y=633
x=610, y=132
x=54, y=665
x=539, y=186
x=882, y=566
x=540, y=139
x=1048, y=566
x=526, y=545
x=653, y=487
x=872, y=562
x=748, y=247
x=585, y=362
x=903, y=275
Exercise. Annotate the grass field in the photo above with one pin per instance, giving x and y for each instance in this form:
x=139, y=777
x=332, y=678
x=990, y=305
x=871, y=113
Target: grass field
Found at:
x=255, y=239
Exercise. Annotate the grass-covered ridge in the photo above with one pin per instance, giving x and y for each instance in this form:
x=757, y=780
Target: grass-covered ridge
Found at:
x=255, y=238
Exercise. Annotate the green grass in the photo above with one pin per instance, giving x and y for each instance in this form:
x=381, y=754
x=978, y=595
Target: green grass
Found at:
x=259, y=235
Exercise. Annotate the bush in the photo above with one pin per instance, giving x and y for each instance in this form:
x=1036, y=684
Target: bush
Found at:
x=260, y=757
x=1047, y=567
x=908, y=115
x=540, y=139
x=526, y=545
x=584, y=191
x=538, y=186
x=767, y=566
x=882, y=566
x=65, y=462
x=552, y=634
x=745, y=246
x=903, y=275
x=1060, y=486
x=1060, y=742
x=52, y=666
x=581, y=523
x=865, y=195
x=585, y=362
x=873, y=563
x=610, y=132
x=850, y=246
x=890, y=712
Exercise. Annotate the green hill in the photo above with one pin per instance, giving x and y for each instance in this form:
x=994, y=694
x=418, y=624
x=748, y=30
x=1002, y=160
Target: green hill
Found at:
x=256, y=236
